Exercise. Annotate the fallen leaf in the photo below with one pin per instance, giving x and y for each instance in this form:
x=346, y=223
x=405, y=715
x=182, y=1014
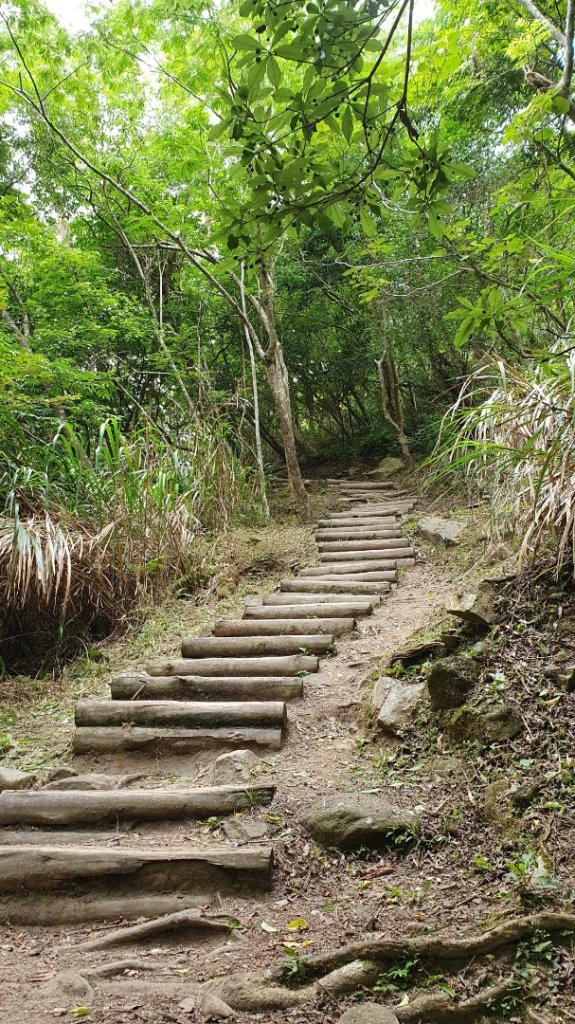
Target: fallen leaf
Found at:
x=297, y=925
x=269, y=928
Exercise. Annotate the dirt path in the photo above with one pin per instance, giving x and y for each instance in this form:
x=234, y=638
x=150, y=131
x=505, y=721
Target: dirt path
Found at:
x=329, y=895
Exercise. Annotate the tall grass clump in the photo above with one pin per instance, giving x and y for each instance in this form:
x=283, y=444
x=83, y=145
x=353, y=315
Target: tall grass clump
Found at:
x=101, y=526
x=512, y=434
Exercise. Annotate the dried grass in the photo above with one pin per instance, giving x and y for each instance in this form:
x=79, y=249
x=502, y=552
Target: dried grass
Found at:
x=512, y=432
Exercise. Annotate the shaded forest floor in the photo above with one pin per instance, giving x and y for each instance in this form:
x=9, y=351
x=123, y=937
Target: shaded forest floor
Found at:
x=484, y=854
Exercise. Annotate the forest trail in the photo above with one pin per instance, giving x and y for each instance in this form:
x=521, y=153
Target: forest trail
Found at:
x=112, y=839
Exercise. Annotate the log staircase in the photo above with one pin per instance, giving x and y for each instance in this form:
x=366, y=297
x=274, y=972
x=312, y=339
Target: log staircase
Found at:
x=70, y=855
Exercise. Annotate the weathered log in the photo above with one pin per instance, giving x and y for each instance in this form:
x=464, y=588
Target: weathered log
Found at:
x=143, y=869
x=187, y=714
x=156, y=741
x=308, y=598
x=142, y=686
x=359, y=544
x=381, y=565
x=327, y=586
x=385, y=576
x=383, y=553
x=350, y=523
x=362, y=484
x=361, y=533
x=35, y=909
x=288, y=666
x=348, y=610
x=77, y=808
x=287, y=627
x=182, y=920
x=253, y=646
x=68, y=837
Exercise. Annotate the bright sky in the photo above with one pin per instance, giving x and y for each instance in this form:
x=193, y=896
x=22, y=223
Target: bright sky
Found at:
x=72, y=13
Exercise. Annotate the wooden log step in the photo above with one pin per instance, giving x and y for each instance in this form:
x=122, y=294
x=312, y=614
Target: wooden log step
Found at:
x=371, y=554
x=288, y=666
x=254, y=646
x=387, y=576
x=48, y=910
x=354, y=523
x=171, y=742
x=382, y=565
x=67, y=837
x=136, y=869
x=349, y=610
x=35, y=807
x=386, y=484
x=379, y=544
x=358, y=517
x=185, y=714
x=141, y=686
x=287, y=627
x=327, y=587
x=359, y=533
x=308, y=598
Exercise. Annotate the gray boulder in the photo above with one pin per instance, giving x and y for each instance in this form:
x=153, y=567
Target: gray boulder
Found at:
x=369, y=1013
x=450, y=680
x=235, y=766
x=399, y=707
x=350, y=820
x=444, y=532
x=476, y=607
x=389, y=466
x=381, y=691
x=475, y=725
x=11, y=778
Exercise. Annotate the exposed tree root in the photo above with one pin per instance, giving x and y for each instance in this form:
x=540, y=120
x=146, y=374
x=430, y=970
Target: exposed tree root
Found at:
x=168, y=923
x=440, y=1009
x=444, y=947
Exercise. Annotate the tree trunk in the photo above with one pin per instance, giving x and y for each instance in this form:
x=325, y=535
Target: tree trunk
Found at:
x=256, y=401
x=391, y=400
x=278, y=380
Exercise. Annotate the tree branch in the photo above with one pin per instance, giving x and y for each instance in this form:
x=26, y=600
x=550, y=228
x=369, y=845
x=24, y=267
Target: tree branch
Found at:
x=534, y=11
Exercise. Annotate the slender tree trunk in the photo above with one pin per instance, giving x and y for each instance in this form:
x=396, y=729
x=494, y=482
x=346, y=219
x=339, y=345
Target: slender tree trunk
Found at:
x=278, y=380
x=391, y=400
x=256, y=399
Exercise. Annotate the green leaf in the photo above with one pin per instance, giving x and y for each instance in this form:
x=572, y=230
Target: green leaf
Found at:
x=561, y=105
x=298, y=924
x=246, y=42
x=368, y=224
x=273, y=72
x=347, y=123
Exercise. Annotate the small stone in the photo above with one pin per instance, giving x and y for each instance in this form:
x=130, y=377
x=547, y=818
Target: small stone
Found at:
x=446, y=532
x=504, y=723
x=381, y=691
x=350, y=820
x=11, y=778
x=566, y=678
x=450, y=680
x=69, y=987
x=399, y=707
x=235, y=766
x=369, y=1013
x=351, y=976
x=214, y=1008
x=526, y=793
x=465, y=725
x=244, y=830
x=476, y=607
